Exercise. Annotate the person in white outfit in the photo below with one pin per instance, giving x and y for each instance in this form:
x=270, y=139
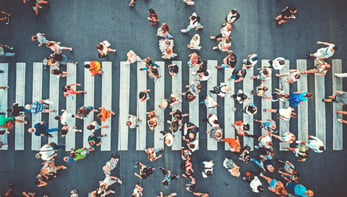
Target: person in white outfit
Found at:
x=315, y=144
x=194, y=43
x=207, y=168
x=325, y=52
x=194, y=22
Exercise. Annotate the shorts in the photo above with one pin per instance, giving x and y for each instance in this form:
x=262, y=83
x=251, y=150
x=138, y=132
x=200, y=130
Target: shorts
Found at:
x=273, y=183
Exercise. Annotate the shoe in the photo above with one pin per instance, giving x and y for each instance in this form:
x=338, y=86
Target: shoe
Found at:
x=184, y=30
x=340, y=120
x=323, y=100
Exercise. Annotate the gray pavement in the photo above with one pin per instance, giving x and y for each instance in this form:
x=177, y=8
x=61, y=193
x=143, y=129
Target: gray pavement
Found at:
x=82, y=25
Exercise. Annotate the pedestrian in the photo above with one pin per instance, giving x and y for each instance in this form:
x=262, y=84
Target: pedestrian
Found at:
x=263, y=75
x=278, y=95
x=298, y=189
x=152, y=153
x=315, y=144
x=286, y=137
x=221, y=90
x=324, y=53
x=59, y=73
x=242, y=128
x=275, y=186
x=207, y=168
x=223, y=45
x=103, y=49
x=144, y=171
x=94, y=126
x=216, y=133
x=251, y=61
x=283, y=113
x=209, y=102
x=137, y=192
x=234, y=143
x=108, y=181
x=65, y=118
x=173, y=69
x=287, y=171
x=40, y=129
x=265, y=163
x=39, y=37
x=5, y=16
x=260, y=90
x=194, y=87
x=194, y=59
x=76, y=155
x=249, y=109
x=340, y=75
x=6, y=51
x=149, y=64
x=238, y=75
x=73, y=193
x=36, y=5
x=228, y=62
x=48, y=151
x=56, y=48
x=265, y=142
x=132, y=57
x=62, y=132
x=231, y=166
x=7, y=123
x=104, y=114
x=292, y=76
x=177, y=114
x=254, y=182
x=321, y=68
x=278, y=63
x=152, y=17
x=300, y=151
x=224, y=32
x=39, y=106
x=69, y=91
x=286, y=13
x=111, y=164
x=83, y=111
x=94, y=67
x=174, y=125
x=189, y=2
x=194, y=43
x=339, y=97
x=133, y=121
x=297, y=98
x=153, y=123
x=166, y=48
x=94, y=141
x=194, y=22
x=232, y=17
x=16, y=110
x=168, y=177
x=163, y=32
x=240, y=96
x=190, y=132
x=58, y=59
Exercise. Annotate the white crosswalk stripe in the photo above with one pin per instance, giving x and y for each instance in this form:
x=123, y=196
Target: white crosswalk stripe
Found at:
x=120, y=136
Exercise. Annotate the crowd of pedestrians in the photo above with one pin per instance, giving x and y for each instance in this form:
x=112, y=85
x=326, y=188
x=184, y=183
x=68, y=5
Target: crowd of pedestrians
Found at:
x=280, y=176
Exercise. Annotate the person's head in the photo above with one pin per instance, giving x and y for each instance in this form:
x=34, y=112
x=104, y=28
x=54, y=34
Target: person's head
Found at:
x=219, y=134
x=245, y=127
x=293, y=115
x=265, y=71
x=227, y=40
x=57, y=117
x=260, y=188
x=237, y=147
x=99, y=46
x=191, y=135
x=91, y=142
x=308, y=95
x=34, y=37
x=327, y=66
x=38, y=155
x=196, y=37
x=309, y=192
x=165, y=27
x=229, y=27
x=168, y=141
x=27, y=106
x=242, y=72
x=9, y=110
x=165, y=182
x=87, y=66
x=235, y=172
x=297, y=76
x=269, y=143
x=90, y=127
x=282, y=191
x=198, y=86
x=335, y=48
x=99, y=116
x=321, y=148
x=51, y=164
x=233, y=11
x=128, y=123
x=270, y=168
x=151, y=11
x=31, y=130
x=209, y=173
x=55, y=71
x=66, y=159
x=273, y=126
x=281, y=62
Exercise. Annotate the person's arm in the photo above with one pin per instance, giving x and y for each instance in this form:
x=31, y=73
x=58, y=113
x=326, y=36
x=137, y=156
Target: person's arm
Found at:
x=324, y=43
x=240, y=79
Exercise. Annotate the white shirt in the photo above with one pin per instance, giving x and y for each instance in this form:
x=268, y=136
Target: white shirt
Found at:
x=314, y=143
x=211, y=119
x=65, y=118
x=133, y=120
x=46, y=152
x=285, y=113
x=264, y=140
x=276, y=63
x=254, y=184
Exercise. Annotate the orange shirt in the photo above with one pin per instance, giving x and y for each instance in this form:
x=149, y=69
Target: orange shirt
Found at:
x=95, y=67
x=105, y=114
x=231, y=141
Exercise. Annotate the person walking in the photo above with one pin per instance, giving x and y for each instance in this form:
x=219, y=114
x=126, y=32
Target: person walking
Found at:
x=103, y=49
x=94, y=67
x=298, y=189
x=69, y=91
x=275, y=186
x=168, y=177
x=232, y=17
x=7, y=123
x=39, y=106
x=339, y=97
x=152, y=17
x=39, y=37
x=324, y=53
x=144, y=171
x=56, y=48
x=16, y=110
x=194, y=43
x=321, y=68
x=194, y=22
x=40, y=129
x=94, y=126
x=228, y=62
x=292, y=76
x=278, y=63
x=286, y=13
x=105, y=114
x=297, y=98
x=5, y=16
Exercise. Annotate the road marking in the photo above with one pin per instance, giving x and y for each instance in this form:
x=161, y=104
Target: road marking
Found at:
x=20, y=99
x=337, y=126
x=54, y=97
x=176, y=90
x=107, y=103
x=320, y=107
x=141, y=108
x=247, y=88
x=88, y=101
x=70, y=138
x=124, y=97
x=37, y=95
x=229, y=105
x=266, y=103
x=212, y=82
x=159, y=95
x=194, y=106
x=284, y=125
x=4, y=100
x=302, y=108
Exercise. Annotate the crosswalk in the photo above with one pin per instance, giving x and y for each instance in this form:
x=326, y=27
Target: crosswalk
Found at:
x=118, y=137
